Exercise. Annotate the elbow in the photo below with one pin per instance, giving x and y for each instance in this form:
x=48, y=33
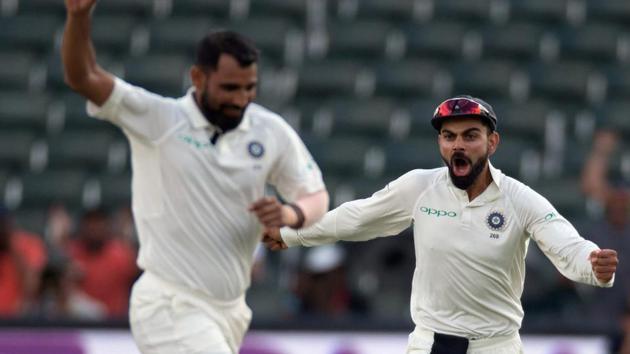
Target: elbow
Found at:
x=321, y=207
x=315, y=207
x=325, y=202
x=75, y=82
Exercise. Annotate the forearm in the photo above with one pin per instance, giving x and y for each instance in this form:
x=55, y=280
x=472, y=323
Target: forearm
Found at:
x=313, y=206
x=77, y=51
x=319, y=234
x=569, y=252
x=358, y=220
x=81, y=71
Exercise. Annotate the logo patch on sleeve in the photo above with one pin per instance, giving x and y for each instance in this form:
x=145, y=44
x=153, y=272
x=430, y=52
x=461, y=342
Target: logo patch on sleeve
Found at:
x=496, y=221
x=256, y=149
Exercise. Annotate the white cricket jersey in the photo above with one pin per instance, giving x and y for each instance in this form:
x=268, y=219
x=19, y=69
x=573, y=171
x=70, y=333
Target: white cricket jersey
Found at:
x=470, y=255
x=190, y=198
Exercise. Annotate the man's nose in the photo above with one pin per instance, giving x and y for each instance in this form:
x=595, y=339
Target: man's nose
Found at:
x=241, y=99
x=458, y=143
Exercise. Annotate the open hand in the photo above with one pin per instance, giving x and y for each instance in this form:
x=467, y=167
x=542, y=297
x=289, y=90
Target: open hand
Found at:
x=604, y=263
x=272, y=239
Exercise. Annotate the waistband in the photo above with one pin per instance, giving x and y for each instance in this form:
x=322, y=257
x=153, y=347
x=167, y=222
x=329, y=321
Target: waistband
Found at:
x=425, y=335
x=154, y=280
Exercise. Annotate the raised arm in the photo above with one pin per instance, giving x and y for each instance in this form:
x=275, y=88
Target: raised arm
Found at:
x=81, y=72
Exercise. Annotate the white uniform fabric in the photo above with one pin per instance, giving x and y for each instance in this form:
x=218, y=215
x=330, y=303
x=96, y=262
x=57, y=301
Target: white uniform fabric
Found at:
x=168, y=319
x=470, y=255
x=190, y=198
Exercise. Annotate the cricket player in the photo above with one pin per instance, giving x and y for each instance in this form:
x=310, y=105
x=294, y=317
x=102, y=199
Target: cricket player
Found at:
x=200, y=165
x=472, y=225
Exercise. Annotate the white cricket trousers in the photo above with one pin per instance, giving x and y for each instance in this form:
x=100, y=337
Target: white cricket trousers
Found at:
x=421, y=340
x=167, y=319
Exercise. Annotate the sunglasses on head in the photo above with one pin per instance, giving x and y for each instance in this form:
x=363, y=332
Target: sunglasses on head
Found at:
x=460, y=107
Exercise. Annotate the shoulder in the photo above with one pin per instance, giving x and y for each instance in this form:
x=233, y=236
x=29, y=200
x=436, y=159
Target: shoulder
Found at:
x=32, y=247
x=261, y=116
x=420, y=178
x=426, y=175
x=127, y=100
x=522, y=196
x=28, y=239
x=135, y=95
x=119, y=249
x=270, y=126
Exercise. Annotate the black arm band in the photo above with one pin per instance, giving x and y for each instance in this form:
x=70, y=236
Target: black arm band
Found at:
x=300, y=216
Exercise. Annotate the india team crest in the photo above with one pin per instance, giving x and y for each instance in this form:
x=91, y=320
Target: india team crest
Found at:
x=496, y=221
x=256, y=149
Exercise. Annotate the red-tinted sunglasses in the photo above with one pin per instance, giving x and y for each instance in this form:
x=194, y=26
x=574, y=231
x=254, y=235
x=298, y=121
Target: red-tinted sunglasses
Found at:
x=462, y=106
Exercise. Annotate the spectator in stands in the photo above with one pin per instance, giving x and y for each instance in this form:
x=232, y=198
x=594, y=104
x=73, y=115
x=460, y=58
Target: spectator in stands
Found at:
x=322, y=286
x=124, y=227
x=612, y=231
x=106, y=263
x=22, y=259
x=59, y=228
x=61, y=296
x=624, y=345
x=595, y=182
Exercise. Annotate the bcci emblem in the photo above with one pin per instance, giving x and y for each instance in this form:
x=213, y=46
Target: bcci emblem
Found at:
x=256, y=149
x=496, y=221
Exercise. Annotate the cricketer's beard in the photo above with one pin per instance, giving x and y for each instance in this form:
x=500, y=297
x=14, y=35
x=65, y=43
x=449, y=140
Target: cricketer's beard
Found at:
x=463, y=182
x=216, y=117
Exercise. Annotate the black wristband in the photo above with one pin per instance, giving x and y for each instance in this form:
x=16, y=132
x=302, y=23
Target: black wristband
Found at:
x=300, y=216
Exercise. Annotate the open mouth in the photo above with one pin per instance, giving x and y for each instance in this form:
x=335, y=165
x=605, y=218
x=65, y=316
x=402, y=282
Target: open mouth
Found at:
x=461, y=165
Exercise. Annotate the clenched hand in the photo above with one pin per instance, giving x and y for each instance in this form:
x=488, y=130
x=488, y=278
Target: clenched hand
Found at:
x=269, y=211
x=604, y=263
x=272, y=240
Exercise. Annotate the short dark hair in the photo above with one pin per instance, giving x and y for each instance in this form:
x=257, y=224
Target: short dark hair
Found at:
x=216, y=43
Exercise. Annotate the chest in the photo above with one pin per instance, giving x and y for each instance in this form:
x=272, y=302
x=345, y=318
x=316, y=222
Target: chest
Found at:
x=487, y=231
x=234, y=160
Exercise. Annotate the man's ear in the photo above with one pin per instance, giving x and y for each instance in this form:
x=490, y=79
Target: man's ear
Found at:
x=493, y=142
x=198, y=76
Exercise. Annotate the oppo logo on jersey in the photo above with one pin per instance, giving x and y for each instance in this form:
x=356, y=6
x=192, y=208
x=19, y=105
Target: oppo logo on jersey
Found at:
x=438, y=213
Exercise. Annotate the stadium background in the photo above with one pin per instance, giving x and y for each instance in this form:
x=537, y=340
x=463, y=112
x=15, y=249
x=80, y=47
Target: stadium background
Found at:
x=358, y=79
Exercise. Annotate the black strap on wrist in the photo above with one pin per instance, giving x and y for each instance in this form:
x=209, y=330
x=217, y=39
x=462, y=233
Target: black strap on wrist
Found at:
x=300, y=216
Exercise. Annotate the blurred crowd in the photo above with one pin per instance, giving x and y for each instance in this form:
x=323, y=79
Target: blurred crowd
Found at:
x=83, y=267
x=79, y=269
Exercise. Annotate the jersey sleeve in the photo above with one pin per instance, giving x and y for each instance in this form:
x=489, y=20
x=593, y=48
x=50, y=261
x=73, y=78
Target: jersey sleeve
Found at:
x=387, y=212
x=558, y=239
x=144, y=114
x=296, y=172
